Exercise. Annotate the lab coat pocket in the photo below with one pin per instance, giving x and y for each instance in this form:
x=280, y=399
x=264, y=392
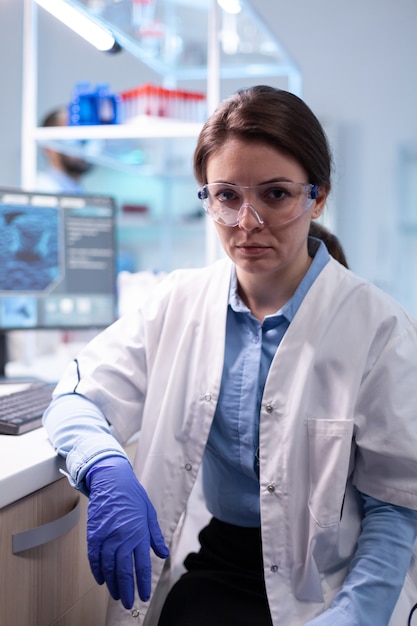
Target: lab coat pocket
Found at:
x=329, y=447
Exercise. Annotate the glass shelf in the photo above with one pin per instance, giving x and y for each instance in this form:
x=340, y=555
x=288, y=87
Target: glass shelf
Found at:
x=180, y=40
x=145, y=126
x=171, y=37
x=148, y=147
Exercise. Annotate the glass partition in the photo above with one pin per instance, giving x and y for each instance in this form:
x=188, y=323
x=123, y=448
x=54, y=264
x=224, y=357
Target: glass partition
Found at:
x=171, y=36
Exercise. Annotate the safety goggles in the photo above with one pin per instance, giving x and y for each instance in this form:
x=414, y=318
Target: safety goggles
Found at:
x=274, y=203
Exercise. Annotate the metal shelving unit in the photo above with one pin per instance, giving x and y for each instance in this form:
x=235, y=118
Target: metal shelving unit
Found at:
x=171, y=37
x=180, y=40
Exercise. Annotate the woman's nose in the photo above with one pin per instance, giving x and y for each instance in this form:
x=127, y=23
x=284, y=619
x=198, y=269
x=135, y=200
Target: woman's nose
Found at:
x=249, y=218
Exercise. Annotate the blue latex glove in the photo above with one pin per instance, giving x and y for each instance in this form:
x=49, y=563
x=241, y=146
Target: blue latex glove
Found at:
x=122, y=527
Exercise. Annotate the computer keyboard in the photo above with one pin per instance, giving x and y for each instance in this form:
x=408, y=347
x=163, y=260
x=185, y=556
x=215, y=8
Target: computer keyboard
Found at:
x=22, y=406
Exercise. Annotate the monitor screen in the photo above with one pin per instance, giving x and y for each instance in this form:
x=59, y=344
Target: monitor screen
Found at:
x=57, y=261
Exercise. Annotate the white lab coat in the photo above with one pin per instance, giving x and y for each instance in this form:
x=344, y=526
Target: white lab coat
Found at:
x=339, y=413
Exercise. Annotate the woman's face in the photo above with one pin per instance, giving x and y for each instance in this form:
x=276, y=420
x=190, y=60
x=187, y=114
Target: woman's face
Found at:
x=267, y=249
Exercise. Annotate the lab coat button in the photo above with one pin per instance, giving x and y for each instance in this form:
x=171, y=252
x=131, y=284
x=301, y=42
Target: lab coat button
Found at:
x=269, y=408
x=274, y=568
x=207, y=397
x=271, y=488
x=188, y=467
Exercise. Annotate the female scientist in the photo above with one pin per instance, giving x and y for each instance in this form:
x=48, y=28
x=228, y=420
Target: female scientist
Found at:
x=286, y=378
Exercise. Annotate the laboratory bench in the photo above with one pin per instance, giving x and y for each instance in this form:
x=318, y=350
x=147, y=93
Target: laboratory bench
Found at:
x=45, y=576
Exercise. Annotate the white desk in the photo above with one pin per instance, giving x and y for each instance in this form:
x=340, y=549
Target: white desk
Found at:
x=27, y=463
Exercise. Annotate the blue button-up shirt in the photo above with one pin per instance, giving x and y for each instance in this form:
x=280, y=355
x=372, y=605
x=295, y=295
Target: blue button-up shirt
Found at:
x=230, y=463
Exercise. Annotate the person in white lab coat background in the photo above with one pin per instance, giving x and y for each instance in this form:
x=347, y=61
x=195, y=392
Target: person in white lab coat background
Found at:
x=63, y=172
x=287, y=379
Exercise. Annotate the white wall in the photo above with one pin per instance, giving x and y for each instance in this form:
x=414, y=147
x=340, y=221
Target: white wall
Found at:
x=358, y=61
x=358, y=64
x=10, y=80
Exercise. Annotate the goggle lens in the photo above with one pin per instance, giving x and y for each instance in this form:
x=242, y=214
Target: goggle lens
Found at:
x=276, y=202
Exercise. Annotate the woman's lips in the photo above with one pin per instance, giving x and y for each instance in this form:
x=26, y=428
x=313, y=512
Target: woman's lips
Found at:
x=252, y=248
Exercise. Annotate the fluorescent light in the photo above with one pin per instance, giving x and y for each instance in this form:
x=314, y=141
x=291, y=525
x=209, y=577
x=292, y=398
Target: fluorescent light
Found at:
x=87, y=28
x=230, y=6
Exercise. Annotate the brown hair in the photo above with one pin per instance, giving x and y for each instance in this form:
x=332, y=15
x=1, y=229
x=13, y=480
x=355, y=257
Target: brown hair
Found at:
x=331, y=241
x=277, y=117
x=57, y=117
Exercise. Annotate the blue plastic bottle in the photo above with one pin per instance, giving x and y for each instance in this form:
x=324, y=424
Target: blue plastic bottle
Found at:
x=107, y=105
x=82, y=108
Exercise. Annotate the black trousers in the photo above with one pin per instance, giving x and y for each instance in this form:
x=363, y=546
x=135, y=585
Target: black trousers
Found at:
x=223, y=584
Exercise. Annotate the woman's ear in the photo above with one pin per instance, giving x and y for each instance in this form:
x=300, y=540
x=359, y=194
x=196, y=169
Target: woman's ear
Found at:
x=320, y=201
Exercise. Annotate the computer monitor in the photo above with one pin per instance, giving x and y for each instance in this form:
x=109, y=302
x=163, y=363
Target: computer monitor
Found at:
x=57, y=262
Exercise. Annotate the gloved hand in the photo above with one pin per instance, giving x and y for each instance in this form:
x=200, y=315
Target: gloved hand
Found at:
x=121, y=524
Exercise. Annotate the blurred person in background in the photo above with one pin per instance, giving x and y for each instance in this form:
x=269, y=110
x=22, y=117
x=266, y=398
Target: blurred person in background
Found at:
x=64, y=172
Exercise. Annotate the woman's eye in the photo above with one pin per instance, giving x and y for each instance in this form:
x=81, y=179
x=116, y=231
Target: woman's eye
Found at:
x=277, y=193
x=227, y=195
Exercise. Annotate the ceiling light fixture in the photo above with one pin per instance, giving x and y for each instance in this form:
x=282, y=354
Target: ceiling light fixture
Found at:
x=97, y=35
x=230, y=6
